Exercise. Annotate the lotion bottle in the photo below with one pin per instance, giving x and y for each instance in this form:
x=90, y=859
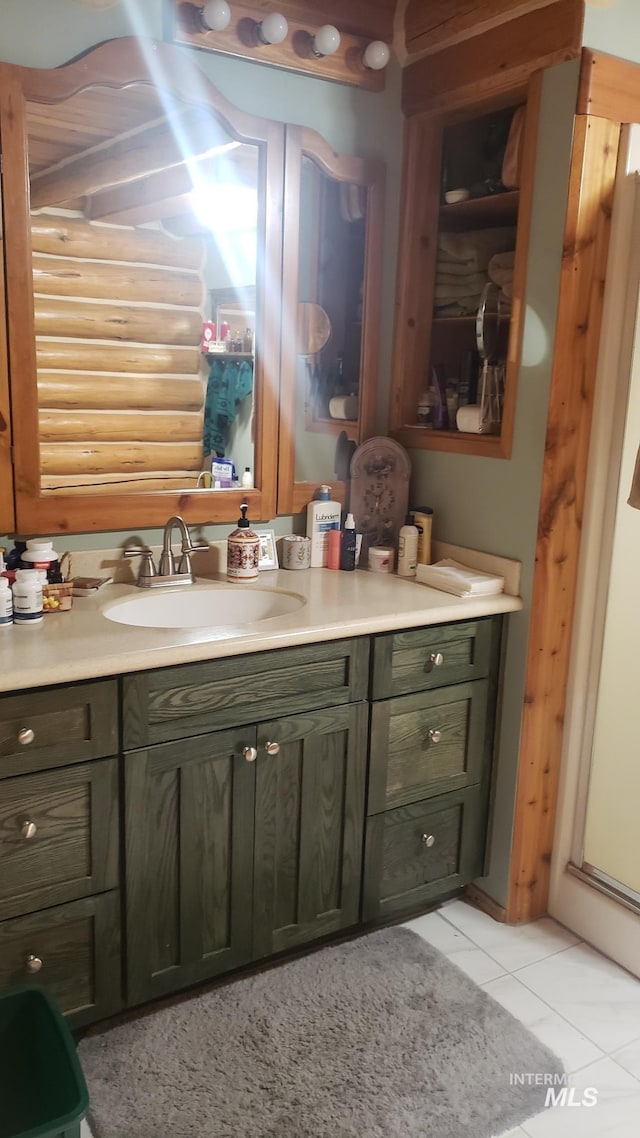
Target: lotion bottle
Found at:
x=334, y=539
x=322, y=514
x=408, y=548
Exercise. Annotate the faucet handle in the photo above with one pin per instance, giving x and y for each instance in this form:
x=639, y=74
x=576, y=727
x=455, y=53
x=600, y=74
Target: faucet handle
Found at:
x=185, y=559
x=147, y=567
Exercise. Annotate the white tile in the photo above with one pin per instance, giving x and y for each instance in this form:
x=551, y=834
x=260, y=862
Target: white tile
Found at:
x=571, y=1047
x=629, y=1058
x=517, y=1133
x=456, y=947
x=591, y=992
x=513, y=946
x=615, y=1114
x=85, y=1132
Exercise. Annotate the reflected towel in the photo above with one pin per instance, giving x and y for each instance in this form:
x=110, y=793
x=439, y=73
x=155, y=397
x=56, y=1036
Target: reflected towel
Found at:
x=229, y=382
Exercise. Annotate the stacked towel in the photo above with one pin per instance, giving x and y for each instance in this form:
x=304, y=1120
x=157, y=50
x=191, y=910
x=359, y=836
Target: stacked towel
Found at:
x=461, y=267
x=500, y=269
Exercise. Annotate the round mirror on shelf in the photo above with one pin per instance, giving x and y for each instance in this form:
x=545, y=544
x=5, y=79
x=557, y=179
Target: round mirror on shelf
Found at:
x=314, y=328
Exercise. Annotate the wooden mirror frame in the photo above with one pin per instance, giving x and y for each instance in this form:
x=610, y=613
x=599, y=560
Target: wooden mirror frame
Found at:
x=303, y=142
x=118, y=64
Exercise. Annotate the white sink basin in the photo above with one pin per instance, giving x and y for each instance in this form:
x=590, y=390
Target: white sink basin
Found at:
x=208, y=606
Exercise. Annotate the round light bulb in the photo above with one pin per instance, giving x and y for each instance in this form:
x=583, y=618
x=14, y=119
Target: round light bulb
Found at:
x=216, y=15
x=326, y=40
x=377, y=55
x=273, y=28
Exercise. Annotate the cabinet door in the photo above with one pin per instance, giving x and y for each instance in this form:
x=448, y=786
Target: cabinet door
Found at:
x=310, y=797
x=72, y=950
x=189, y=841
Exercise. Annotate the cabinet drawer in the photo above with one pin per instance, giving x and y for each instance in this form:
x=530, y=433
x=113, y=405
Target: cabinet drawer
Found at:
x=418, y=853
x=53, y=727
x=428, y=743
x=58, y=836
x=76, y=951
x=173, y=703
x=434, y=657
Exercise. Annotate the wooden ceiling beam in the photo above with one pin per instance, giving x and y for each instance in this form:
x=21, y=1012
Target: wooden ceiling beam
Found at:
x=442, y=23
x=145, y=152
x=149, y=199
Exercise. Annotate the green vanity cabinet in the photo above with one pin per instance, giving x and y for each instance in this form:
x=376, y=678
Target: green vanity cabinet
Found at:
x=247, y=840
x=431, y=749
x=234, y=809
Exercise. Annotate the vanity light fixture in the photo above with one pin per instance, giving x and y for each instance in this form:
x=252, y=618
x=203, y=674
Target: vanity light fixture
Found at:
x=326, y=41
x=273, y=29
x=377, y=55
x=215, y=16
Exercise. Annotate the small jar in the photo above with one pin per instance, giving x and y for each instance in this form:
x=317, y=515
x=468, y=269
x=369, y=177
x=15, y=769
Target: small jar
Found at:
x=6, y=603
x=27, y=597
x=381, y=558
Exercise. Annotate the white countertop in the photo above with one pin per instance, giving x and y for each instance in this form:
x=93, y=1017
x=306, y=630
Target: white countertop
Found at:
x=82, y=643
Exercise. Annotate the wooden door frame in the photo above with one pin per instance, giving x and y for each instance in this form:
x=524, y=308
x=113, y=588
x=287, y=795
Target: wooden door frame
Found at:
x=608, y=96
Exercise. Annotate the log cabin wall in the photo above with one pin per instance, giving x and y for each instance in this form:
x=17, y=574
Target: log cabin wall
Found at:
x=118, y=317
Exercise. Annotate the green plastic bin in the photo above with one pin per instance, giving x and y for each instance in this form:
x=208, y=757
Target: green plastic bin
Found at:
x=42, y=1089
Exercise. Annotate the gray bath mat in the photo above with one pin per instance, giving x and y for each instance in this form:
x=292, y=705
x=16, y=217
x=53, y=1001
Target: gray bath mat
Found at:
x=381, y=1037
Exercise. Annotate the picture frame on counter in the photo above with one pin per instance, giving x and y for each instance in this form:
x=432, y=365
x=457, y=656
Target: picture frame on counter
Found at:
x=268, y=558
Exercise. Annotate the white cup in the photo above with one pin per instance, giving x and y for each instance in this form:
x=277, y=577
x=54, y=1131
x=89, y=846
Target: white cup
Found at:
x=296, y=552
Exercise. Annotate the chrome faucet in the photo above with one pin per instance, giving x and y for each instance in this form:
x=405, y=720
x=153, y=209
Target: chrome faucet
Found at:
x=166, y=574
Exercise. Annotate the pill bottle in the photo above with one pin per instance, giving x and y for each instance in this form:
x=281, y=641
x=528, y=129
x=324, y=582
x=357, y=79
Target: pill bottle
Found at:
x=27, y=597
x=6, y=604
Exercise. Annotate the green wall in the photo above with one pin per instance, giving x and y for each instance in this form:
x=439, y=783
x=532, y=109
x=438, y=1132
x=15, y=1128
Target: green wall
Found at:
x=614, y=28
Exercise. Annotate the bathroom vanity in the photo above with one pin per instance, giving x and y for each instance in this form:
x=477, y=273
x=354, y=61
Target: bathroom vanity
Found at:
x=186, y=802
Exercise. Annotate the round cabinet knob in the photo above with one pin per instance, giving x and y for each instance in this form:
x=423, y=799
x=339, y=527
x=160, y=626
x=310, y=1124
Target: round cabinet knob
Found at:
x=250, y=754
x=272, y=748
x=28, y=829
x=435, y=735
x=437, y=659
x=428, y=840
x=34, y=964
x=25, y=736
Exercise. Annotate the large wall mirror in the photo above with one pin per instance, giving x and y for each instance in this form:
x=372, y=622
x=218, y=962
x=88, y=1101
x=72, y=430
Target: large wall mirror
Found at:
x=332, y=279
x=153, y=212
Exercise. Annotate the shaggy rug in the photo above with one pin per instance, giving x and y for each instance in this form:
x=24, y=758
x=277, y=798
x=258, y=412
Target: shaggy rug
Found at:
x=380, y=1037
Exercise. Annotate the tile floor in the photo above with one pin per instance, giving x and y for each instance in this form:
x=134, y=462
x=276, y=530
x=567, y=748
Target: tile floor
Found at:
x=582, y=1006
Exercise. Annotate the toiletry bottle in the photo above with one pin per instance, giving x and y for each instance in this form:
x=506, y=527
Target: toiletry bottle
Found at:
x=246, y=480
x=14, y=555
x=423, y=519
x=408, y=548
x=27, y=597
x=243, y=550
x=334, y=541
x=348, y=545
x=322, y=514
x=6, y=603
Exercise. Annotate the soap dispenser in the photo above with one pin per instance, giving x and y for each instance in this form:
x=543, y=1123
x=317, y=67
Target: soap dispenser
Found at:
x=243, y=550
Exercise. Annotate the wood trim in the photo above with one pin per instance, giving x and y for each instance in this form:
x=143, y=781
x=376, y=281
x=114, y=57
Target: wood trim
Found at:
x=609, y=87
x=7, y=516
x=498, y=61
x=184, y=26
x=481, y=900
x=415, y=275
x=586, y=242
x=300, y=142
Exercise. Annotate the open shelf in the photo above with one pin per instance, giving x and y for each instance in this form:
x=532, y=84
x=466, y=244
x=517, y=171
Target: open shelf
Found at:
x=497, y=209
